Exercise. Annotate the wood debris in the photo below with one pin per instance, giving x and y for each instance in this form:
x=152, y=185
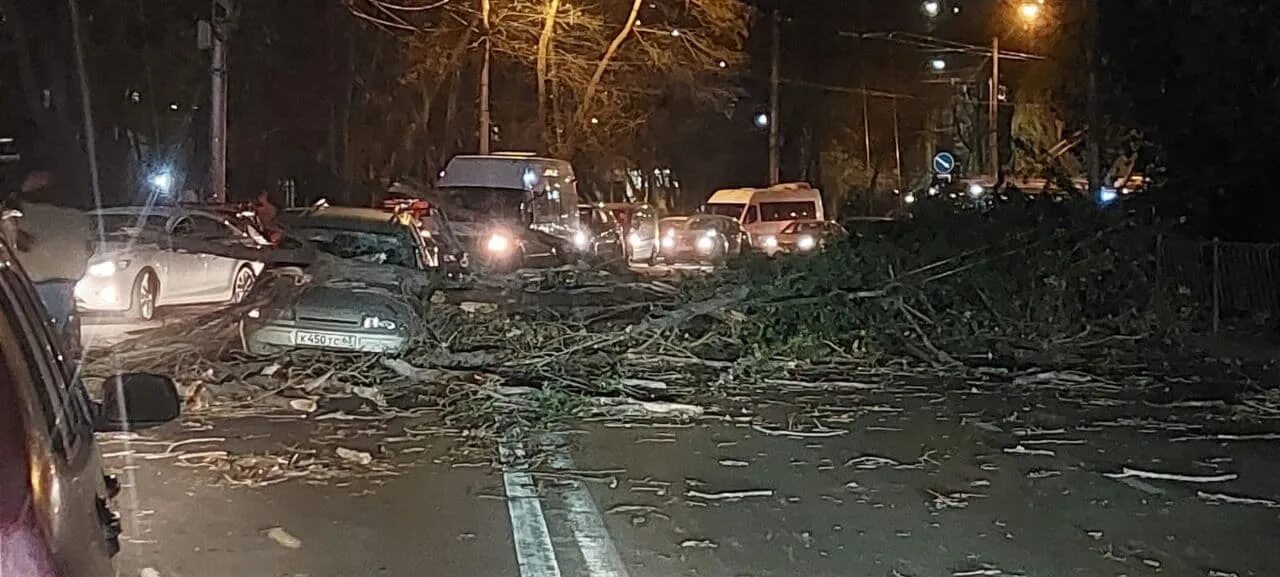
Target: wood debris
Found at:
x=729, y=495
x=284, y=538
x=1223, y=498
x=1141, y=474
x=1021, y=450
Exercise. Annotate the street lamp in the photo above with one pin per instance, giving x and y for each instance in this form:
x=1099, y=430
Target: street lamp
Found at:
x=938, y=64
x=762, y=120
x=1031, y=11
x=931, y=8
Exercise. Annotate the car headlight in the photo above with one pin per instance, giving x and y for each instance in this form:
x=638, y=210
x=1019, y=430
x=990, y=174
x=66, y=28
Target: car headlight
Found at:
x=806, y=242
x=581, y=240
x=710, y=233
x=634, y=238
x=769, y=241
x=378, y=323
x=705, y=244
x=254, y=313
x=107, y=268
x=498, y=242
x=668, y=242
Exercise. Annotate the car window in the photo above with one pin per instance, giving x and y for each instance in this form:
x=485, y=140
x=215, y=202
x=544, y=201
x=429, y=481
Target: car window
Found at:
x=21, y=316
x=753, y=214
x=77, y=408
x=778, y=211
x=183, y=227
x=118, y=223
x=206, y=227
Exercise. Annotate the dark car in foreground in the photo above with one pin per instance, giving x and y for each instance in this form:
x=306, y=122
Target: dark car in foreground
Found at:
x=357, y=310
x=55, y=499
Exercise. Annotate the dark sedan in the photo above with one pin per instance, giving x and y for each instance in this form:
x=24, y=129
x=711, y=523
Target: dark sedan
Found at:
x=703, y=238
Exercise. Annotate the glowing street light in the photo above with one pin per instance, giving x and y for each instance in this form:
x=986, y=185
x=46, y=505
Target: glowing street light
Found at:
x=163, y=181
x=762, y=120
x=1030, y=12
x=931, y=8
x=938, y=64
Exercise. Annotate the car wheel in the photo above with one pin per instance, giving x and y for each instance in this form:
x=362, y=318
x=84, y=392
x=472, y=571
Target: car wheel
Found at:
x=142, y=302
x=242, y=285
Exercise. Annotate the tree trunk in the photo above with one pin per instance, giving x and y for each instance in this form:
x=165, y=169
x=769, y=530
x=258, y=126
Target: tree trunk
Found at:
x=584, y=107
x=543, y=65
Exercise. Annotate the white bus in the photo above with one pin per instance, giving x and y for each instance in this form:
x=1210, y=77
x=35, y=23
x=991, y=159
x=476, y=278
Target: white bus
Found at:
x=766, y=211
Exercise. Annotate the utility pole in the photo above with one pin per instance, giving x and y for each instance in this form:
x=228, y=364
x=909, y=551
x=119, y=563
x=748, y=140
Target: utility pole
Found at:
x=1093, y=135
x=485, y=123
x=221, y=21
x=775, y=81
x=993, y=111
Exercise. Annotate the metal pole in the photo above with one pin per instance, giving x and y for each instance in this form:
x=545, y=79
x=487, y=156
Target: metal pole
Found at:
x=485, y=122
x=1217, y=284
x=993, y=111
x=218, y=105
x=1095, y=115
x=775, y=73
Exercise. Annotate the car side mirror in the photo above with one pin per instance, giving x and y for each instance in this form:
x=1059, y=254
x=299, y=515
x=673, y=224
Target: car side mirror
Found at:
x=137, y=401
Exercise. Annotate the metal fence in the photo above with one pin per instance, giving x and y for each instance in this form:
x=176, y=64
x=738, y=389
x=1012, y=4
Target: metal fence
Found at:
x=1232, y=280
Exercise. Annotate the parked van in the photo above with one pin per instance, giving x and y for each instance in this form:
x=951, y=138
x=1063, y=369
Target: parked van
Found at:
x=766, y=211
x=495, y=199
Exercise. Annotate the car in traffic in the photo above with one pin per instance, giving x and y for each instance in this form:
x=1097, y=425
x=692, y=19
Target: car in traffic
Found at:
x=802, y=236
x=606, y=236
x=55, y=498
x=354, y=312
x=148, y=259
x=766, y=211
x=703, y=238
x=513, y=210
x=642, y=230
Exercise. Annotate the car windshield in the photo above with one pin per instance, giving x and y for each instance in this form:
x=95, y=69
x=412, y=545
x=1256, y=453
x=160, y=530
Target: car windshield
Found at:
x=469, y=204
x=723, y=209
x=700, y=222
x=123, y=223
x=780, y=211
x=377, y=248
x=802, y=227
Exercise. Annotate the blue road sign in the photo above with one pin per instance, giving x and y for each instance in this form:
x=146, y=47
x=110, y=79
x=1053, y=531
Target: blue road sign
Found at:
x=944, y=163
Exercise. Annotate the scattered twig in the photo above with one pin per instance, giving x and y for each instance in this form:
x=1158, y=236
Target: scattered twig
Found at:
x=1139, y=473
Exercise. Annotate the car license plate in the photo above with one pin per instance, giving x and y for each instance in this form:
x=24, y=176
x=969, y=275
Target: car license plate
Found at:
x=326, y=340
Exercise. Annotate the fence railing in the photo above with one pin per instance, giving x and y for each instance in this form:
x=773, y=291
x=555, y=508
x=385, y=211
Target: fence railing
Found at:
x=1231, y=280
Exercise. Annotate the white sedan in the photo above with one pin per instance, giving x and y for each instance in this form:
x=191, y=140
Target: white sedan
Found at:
x=136, y=268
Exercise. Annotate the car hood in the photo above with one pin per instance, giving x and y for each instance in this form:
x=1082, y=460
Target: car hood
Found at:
x=121, y=246
x=350, y=302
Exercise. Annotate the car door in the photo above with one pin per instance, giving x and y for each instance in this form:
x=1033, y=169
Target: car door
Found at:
x=217, y=272
x=185, y=268
x=66, y=470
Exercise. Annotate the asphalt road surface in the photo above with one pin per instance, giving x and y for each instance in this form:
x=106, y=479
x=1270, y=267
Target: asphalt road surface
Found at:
x=904, y=483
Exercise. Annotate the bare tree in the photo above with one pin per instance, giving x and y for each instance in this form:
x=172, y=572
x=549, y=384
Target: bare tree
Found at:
x=596, y=70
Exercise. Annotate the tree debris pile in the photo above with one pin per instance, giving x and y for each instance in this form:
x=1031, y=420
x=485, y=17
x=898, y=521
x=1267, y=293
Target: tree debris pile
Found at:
x=1016, y=285
x=1027, y=282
